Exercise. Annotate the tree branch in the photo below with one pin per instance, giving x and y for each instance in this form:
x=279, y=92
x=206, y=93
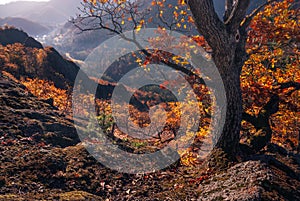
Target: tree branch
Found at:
x=249, y=118
x=239, y=9
x=286, y=85
x=228, y=9
x=208, y=23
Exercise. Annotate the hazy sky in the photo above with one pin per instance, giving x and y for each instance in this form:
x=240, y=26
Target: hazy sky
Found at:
x=8, y=1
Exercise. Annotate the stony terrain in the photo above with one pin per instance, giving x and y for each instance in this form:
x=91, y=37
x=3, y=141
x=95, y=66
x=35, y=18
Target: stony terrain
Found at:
x=25, y=118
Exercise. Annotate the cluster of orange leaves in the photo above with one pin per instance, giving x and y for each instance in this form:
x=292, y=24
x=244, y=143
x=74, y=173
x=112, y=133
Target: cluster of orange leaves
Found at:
x=180, y=13
x=47, y=90
x=273, y=45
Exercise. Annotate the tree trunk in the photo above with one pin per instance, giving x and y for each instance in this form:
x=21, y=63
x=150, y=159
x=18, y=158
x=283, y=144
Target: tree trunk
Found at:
x=227, y=40
x=227, y=145
x=230, y=135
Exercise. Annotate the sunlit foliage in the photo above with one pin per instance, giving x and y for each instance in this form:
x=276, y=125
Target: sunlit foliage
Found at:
x=273, y=45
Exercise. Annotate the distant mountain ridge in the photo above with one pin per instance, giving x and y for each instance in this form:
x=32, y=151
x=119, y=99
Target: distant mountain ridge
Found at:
x=30, y=27
x=58, y=11
x=65, y=37
x=49, y=13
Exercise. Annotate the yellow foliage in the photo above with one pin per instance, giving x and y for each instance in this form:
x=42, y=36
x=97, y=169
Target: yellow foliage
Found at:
x=46, y=90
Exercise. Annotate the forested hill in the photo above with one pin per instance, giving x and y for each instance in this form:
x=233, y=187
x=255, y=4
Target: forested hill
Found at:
x=24, y=57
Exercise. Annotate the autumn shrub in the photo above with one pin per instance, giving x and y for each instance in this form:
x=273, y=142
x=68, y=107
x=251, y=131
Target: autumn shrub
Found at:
x=47, y=90
x=273, y=62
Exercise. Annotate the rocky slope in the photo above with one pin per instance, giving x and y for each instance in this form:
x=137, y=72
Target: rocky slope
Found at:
x=24, y=117
x=272, y=176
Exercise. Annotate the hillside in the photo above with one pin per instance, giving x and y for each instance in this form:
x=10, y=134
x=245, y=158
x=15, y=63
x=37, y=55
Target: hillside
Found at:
x=42, y=157
x=33, y=61
x=12, y=36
